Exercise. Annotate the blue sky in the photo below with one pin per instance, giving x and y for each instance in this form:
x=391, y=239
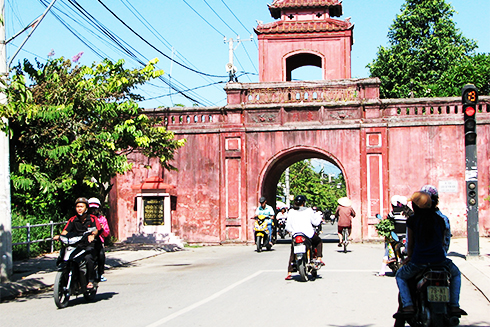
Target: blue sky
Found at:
x=192, y=32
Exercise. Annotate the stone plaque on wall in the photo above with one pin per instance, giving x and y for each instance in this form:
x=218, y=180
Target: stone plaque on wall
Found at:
x=153, y=211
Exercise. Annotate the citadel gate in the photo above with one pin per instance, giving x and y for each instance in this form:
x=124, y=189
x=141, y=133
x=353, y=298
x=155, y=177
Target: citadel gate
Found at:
x=236, y=153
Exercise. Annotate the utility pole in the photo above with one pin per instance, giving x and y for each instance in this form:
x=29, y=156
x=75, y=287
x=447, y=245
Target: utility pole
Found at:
x=6, y=265
x=230, y=67
x=6, y=262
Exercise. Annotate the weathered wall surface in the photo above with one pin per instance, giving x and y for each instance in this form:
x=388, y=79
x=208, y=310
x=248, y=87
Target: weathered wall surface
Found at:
x=236, y=154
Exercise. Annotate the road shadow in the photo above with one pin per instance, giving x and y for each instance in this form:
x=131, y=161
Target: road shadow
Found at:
x=80, y=300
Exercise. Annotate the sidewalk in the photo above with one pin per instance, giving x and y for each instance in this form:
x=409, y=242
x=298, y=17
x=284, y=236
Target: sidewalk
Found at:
x=37, y=274
x=475, y=269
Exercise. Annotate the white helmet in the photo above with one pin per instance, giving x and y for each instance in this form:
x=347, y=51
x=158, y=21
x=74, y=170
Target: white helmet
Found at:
x=94, y=203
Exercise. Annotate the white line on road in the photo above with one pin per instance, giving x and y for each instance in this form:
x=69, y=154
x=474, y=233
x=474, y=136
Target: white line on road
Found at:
x=229, y=288
x=206, y=300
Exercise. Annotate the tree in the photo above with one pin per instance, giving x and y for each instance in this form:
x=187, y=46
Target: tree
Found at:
x=319, y=191
x=427, y=55
x=72, y=128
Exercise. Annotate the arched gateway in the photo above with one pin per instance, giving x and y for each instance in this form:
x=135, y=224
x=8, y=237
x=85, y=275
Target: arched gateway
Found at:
x=236, y=153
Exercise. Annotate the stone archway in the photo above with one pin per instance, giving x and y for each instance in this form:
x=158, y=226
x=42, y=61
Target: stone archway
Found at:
x=269, y=177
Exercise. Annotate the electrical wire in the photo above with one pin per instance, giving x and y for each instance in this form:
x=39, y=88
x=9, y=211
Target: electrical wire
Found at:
x=153, y=47
x=219, y=17
x=159, y=37
x=113, y=38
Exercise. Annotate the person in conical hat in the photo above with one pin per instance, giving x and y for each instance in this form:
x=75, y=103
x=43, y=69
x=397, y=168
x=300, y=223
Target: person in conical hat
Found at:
x=344, y=215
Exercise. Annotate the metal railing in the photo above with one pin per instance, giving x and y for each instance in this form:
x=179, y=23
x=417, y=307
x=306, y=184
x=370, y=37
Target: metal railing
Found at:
x=28, y=241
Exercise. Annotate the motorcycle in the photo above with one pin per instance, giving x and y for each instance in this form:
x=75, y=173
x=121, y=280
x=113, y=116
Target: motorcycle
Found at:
x=261, y=233
x=70, y=279
x=396, y=248
x=430, y=295
x=281, y=228
x=305, y=257
x=396, y=252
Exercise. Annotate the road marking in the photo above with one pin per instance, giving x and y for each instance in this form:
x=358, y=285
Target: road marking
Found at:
x=232, y=286
x=206, y=300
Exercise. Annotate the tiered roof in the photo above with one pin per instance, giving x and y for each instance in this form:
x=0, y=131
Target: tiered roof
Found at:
x=327, y=25
x=335, y=6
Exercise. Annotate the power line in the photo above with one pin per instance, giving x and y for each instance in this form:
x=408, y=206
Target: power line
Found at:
x=165, y=42
x=98, y=25
x=153, y=47
x=204, y=19
x=219, y=17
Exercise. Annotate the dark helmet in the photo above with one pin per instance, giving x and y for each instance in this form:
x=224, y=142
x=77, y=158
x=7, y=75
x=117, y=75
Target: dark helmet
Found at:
x=262, y=199
x=82, y=200
x=299, y=200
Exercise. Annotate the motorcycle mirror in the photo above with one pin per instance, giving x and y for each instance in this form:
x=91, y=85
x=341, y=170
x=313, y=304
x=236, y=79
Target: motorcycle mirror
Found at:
x=378, y=216
x=394, y=236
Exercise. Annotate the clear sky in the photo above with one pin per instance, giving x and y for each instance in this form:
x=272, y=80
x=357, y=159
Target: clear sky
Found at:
x=192, y=32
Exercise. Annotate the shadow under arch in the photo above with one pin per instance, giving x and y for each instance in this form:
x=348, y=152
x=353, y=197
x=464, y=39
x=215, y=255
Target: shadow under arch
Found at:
x=271, y=173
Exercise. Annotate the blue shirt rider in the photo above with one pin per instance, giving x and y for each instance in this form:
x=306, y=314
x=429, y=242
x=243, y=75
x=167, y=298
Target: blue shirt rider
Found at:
x=266, y=210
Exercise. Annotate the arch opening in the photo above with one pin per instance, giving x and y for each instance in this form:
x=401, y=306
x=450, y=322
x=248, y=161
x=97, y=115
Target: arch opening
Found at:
x=313, y=174
x=306, y=66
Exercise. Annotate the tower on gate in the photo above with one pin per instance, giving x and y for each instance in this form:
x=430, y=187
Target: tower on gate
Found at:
x=305, y=35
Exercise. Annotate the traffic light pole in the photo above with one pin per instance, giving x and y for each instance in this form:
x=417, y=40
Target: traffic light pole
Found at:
x=470, y=101
x=471, y=175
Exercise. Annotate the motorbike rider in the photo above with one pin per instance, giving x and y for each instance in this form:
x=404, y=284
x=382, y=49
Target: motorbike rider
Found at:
x=303, y=220
x=399, y=208
x=434, y=194
x=425, y=234
x=282, y=215
x=318, y=212
x=344, y=215
x=94, y=209
x=79, y=224
x=266, y=210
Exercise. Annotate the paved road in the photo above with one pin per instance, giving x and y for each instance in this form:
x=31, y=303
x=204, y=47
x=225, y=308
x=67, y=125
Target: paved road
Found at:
x=235, y=286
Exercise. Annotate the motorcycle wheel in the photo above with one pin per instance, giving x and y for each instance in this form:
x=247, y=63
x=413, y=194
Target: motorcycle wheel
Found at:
x=437, y=320
x=393, y=266
x=258, y=242
x=61, y=295
x=89, y=295
x=399, y=322
x=301, y=264
x=332, y=221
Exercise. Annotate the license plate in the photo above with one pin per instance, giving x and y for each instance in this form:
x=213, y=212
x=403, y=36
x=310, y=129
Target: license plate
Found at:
x=300, y=248
x=438, y=294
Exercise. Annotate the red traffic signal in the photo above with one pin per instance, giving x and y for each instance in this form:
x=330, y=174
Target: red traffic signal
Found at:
x=469, y=111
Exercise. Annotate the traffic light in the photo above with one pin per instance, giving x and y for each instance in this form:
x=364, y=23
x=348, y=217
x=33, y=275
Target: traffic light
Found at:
x=470, y=101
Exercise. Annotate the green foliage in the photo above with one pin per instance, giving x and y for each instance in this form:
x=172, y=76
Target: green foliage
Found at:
x=314, y=185
x=71, y=130
x=428, y=56
x=385, y=227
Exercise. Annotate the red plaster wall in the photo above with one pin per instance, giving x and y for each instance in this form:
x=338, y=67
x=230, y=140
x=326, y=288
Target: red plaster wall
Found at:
x=197, y=215
x=335, y=50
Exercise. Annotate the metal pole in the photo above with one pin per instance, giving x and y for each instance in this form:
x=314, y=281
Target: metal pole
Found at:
x=28, y=240
x=34, y=26
x=52, y=235
x=6, y=267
